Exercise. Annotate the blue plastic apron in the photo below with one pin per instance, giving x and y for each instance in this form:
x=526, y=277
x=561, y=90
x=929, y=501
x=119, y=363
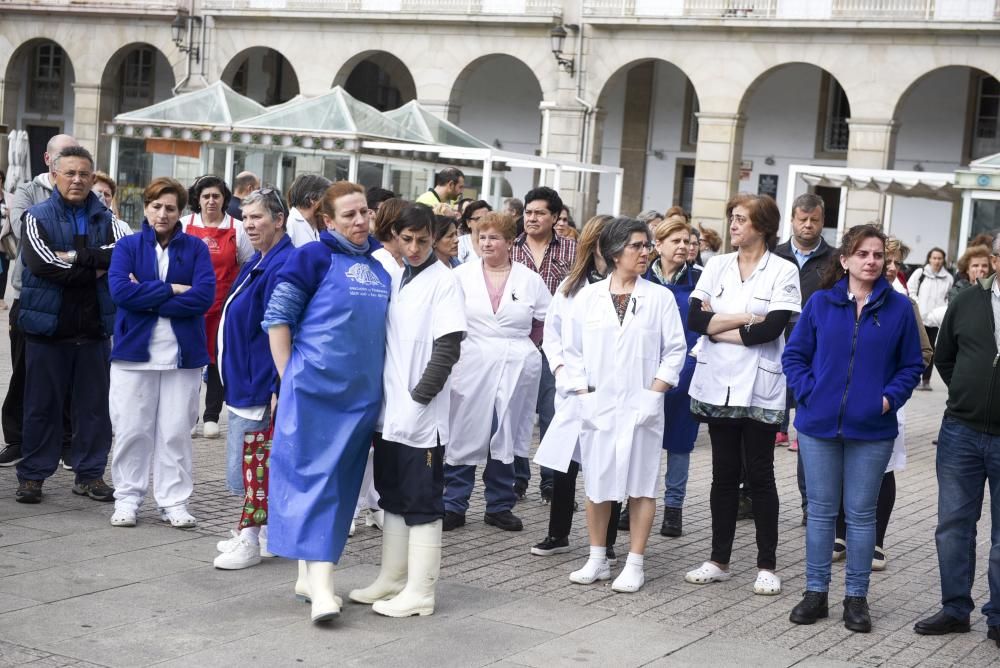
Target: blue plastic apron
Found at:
x=330, y=399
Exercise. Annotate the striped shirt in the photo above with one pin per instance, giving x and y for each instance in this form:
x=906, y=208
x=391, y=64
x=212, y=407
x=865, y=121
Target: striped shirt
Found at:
x=556, y=263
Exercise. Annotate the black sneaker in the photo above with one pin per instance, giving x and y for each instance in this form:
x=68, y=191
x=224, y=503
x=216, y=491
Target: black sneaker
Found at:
x=505, y=520
x=856, y=615
x=452, y=520
x=623, y=519
x=550, y=546
x=673, y=522
x=10, y=455
x=520, y=489
x=96, y=489
x=28, y=491
x=813, y=606
x=612, y=557
x=546, y=494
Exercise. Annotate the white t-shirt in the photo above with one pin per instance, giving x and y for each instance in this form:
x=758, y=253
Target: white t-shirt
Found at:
x=163, y=347
x=428, y=307
x=300, y=231
x=728, y=374
x=244, y=249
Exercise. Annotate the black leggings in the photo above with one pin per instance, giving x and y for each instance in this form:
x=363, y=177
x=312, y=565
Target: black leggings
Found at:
x=563, y=499
x=883, y=510
x=732, y=440
x=932, y=335
x=213, y=394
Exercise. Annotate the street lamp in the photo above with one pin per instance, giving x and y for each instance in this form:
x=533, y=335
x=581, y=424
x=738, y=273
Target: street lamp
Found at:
x=558, y=36
x=182, y=26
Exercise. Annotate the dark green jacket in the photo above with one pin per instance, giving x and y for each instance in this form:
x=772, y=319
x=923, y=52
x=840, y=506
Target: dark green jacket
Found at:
x=966, y=356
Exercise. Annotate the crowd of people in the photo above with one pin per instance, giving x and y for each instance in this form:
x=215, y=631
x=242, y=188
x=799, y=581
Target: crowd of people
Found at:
x=372, y=353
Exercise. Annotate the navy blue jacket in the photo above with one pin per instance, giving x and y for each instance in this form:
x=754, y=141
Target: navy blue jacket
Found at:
x=839, y=367
x=248, y=371
x=141, y=304
x=60, y=300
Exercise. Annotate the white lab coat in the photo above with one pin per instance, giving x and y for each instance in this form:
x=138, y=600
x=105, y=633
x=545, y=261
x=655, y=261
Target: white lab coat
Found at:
x=300, y=230
x=499, y=370
x=425, y=309
x=622, y=419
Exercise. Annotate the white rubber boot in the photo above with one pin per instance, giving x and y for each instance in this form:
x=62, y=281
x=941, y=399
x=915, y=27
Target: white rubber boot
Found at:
x=417, y=598
x=319, y=575
x=392, y=576
x=302, y=587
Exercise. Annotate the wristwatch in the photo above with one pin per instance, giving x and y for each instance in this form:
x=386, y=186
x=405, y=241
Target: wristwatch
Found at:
x=71, y=256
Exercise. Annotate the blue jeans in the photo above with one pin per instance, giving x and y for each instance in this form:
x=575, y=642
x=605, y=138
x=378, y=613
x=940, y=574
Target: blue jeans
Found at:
x=675, y=481
x=497, y=477
x=234, y=447
x=849, y=471
x=966, y=460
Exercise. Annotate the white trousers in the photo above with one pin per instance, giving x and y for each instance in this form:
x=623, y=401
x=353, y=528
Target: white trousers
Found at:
x=152, y=413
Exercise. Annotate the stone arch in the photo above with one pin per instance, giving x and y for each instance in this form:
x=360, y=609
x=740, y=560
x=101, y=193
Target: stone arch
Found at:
x=263, y=74
x=377, y=78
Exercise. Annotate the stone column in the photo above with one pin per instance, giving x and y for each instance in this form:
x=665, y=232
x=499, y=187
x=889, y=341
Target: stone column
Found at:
x=86, y=115
x=716, y=170
x=562, y=130
x=635, y=135
x=872, y=145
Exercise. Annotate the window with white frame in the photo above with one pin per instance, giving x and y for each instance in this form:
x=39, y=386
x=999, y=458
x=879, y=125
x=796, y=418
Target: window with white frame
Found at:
x=45, y=90
x=138, y=77
x=838, y=110
x=985, y=135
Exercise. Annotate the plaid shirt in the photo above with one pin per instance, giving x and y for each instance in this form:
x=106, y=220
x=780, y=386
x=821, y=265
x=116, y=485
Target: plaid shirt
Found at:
x=556, y=262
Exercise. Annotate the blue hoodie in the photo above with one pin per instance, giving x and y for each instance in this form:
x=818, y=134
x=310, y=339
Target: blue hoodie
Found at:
x=248, y=372
x=839, y=367
x=141, y=304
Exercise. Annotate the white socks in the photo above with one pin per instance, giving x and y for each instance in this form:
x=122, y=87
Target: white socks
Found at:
x=250, y=535
x=596, y=568
x=632, y=577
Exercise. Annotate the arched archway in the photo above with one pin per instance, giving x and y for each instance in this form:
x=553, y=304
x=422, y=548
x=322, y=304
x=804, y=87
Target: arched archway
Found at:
x=496, y=98
x=947, y=117
x=263, y=75
x=379, y=79
x=794, y=112
x=647, y=126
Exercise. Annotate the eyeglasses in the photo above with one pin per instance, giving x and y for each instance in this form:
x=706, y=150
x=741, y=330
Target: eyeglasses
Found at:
x=738, y=219
x=639, y=246
x=72, y=176
x=270, y=192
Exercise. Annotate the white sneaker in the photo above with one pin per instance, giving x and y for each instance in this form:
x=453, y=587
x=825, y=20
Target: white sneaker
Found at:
x=123, y=517
x=179, y=517
x=244, y=555
x=230, y=543
x=262, y=541
x=374, y=518
x=592, y=571
x=350, y=532
x=210, y=430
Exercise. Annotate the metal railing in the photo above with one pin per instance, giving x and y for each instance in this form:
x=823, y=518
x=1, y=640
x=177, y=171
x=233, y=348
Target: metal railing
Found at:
x=320, y=7
x=875, y=10
x=138, y=6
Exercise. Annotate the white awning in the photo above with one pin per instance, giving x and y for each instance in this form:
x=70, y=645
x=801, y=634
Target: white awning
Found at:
x=929, y=185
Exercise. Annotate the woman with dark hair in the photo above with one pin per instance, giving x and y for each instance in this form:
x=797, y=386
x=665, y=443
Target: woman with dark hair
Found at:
x=468, y=242
x=229, y=248
x=446, y=241
x=740, y=306
x=326, y=326
x=424, y=332
x=162, y=282
x=304, y=198
x=558, y=451
x=930, y=285
x=852, y=361
x=565, y=225
x=389, y=255
x=624, y=351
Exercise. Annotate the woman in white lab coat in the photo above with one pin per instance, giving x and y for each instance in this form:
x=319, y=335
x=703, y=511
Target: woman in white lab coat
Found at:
x=496, y=379
x=626, y=349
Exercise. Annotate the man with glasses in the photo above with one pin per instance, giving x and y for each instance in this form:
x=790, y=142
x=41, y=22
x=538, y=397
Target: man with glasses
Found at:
x=540, y=249
x=967, y=356
x=27, y=195
x=67, y=317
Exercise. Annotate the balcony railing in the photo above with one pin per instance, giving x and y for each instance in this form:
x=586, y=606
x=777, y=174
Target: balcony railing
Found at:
x=94, y=6
x=473, y=7
x=854, y=10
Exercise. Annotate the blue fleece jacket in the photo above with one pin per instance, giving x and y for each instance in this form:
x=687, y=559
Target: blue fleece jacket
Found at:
x=140, y=304
x=248, y=372
x=839, y=366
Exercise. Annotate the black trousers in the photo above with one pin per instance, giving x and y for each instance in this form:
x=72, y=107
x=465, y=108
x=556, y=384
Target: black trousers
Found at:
x=932, y=333
x=214, y=394
x=12, y=412
x=59, y=371
x=563, y=500
x=409, y=481
x=756, y=440
x=883, y=510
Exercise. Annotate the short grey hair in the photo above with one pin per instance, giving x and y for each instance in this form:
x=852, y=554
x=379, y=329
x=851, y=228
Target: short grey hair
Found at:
x=74, y=152
x=616, y=235
x=807, y=203
x=307, y=189
x=649, y=215
x=270, y=198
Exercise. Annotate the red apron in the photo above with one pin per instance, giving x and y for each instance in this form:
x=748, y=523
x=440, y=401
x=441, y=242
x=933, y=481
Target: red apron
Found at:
x=222, y=248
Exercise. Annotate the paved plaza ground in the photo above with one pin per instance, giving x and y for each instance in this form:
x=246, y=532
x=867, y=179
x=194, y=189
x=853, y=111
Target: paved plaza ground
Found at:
x=75, y=591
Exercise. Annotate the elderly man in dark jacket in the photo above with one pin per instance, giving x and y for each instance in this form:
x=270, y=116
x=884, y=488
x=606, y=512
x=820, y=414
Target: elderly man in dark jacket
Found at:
x=67, y=317
x=968, y=452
